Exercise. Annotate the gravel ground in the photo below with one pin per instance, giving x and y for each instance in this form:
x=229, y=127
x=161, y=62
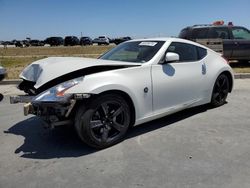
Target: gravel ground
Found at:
x=199, y=147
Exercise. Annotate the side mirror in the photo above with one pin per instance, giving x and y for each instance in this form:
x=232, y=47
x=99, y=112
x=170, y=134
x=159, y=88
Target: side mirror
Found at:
x=171, y=57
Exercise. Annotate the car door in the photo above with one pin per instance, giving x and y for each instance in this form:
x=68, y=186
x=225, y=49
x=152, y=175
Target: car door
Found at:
x=241, y=40
x=228, y=43
x=178, y=84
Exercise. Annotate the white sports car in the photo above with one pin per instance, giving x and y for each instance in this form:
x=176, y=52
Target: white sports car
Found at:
x=135, y=82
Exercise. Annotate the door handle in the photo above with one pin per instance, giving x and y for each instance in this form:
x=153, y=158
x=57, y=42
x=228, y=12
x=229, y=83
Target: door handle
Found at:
x=203, y=68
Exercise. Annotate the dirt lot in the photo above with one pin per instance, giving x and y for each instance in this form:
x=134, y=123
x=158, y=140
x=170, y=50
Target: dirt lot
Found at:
x=15, y=59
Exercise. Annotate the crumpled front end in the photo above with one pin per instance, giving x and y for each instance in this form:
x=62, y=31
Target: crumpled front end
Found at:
x=54, y=105
x=53, y=113
x=46, y=73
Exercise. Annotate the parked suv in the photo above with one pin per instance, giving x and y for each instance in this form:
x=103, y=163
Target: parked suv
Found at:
x=85, y=41
x=71, y=41
x=236, y=39
x=36, y=43
x=54, y=41
x=121, y=40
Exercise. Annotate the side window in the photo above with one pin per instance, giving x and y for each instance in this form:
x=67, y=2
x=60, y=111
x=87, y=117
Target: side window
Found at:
x=219, y=32
x=200, y=33
x=201, y=53
x=187, y=52
x=241, y=33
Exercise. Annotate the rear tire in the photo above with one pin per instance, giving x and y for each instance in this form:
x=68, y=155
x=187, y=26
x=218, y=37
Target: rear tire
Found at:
x=220, y=91
x=104, y=121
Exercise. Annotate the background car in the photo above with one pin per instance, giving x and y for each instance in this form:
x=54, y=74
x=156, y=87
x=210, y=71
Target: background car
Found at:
x=85, y=41
x=101, y=40
x=19, y=43
x=121, y=39
x=36, y=43
x=54, y=41
x=236, y=39
x=22, y=43
x=26, y=43
x=6, y=43
x=71, y=41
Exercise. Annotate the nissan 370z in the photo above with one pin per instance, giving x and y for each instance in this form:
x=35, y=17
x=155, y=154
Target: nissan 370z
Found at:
x=135, y=82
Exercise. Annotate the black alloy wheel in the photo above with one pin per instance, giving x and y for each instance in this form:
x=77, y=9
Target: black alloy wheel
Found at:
x=104, y=122
x=220, y=91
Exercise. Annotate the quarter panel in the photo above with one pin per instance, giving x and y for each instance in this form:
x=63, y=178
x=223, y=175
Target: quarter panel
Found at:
x=215, y=65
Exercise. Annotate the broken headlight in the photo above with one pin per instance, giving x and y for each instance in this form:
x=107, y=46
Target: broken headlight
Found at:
x=57, y=93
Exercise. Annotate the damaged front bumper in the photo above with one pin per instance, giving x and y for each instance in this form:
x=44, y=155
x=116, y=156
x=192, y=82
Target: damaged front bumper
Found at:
x=53, y=113
x=53, y=105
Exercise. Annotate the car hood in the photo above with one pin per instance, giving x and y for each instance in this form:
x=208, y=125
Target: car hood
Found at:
x=52, y=68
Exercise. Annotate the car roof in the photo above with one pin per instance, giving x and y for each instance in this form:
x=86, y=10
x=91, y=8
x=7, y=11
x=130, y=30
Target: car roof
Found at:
x=169, y=39
x=166, y=39
x=210, y=26
x=156, y=39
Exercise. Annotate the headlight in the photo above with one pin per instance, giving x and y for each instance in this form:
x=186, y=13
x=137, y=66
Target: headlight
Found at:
x=57, y=93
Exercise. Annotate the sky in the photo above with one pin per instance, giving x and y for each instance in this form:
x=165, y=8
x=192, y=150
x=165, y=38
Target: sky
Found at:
x=39, y=19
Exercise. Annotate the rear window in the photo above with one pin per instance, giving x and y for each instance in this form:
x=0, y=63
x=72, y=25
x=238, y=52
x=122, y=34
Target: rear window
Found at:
x=201, y=53
x=219, y=32
x=186, y=52
x=200, y=33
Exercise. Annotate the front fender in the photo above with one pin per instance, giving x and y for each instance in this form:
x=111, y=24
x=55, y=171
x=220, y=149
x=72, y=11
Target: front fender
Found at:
x=131, y=81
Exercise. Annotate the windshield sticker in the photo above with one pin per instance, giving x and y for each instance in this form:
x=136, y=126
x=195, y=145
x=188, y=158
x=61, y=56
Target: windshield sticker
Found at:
x=147, y=43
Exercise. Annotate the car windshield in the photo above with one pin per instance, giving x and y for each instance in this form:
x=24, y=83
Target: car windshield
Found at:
x=136, y=51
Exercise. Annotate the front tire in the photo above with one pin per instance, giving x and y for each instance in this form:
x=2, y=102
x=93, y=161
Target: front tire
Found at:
x=104, y=121
x=220, y=91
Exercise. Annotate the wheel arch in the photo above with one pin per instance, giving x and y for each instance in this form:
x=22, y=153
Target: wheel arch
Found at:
x=230, y=79
x=127, y=98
